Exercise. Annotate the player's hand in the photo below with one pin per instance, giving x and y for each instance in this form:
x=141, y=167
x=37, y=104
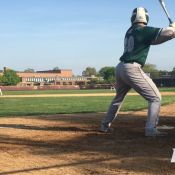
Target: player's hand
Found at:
x=172, y=25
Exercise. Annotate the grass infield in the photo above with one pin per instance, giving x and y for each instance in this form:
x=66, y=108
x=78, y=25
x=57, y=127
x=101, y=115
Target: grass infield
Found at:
x=67, y=105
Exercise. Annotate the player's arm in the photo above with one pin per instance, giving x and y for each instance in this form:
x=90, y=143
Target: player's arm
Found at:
x=165, y=35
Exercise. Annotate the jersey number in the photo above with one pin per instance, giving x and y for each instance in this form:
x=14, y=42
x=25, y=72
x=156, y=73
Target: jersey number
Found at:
x=129, y=44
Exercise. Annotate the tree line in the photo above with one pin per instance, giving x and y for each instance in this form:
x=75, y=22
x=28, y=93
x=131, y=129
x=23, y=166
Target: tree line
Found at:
x=106, y=75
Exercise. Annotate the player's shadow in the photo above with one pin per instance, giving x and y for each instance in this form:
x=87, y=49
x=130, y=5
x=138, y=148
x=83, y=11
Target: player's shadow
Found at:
x=43, y=128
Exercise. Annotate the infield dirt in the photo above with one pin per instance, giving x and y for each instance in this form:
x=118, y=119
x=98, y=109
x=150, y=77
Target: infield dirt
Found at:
x=76, y=95
x=72, y=145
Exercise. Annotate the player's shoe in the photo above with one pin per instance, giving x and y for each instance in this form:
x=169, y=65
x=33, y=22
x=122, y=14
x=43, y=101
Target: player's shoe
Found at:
x=155, y=133
x=105, y=129
x=166, y=127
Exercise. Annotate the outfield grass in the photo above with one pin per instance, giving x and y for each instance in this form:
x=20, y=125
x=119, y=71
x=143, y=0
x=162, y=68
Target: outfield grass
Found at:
x=72, y=91
x=67, y=105
x=57, y=92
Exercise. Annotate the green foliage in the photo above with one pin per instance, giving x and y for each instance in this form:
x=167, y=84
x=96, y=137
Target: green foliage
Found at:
x=149, y=68
x=10, y=78
x=1, y=79
x=56, y=68
x=89, y=71
x=29, y=70
x=108, y=73
x=152, y=70
x=173, y=72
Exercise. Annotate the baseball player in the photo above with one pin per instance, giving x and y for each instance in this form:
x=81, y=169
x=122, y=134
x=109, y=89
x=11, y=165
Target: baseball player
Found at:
x=129, y=73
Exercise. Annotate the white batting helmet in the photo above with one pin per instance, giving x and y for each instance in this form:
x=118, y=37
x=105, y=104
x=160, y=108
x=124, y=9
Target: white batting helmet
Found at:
x=139, y=14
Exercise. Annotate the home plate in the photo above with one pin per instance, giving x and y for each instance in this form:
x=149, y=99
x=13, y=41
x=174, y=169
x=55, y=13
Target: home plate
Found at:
x=165, y=127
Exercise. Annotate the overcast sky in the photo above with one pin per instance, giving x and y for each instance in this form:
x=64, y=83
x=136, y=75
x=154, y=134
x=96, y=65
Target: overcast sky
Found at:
x=74, y=34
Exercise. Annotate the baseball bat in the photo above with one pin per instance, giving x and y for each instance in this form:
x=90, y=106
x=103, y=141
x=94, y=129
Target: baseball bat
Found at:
x=162, y=3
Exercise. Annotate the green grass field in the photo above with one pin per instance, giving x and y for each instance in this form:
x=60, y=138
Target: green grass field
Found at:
x=67, y=105
x=71, y=91
x=57, y=92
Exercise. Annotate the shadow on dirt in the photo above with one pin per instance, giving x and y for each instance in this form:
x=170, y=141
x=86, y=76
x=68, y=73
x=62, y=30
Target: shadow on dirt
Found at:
x=124, y=149
x=83, y=162
x=42, y=128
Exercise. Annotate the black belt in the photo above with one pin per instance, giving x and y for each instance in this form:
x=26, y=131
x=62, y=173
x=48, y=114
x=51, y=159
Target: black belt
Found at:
x=125, y=62
x=129, y=62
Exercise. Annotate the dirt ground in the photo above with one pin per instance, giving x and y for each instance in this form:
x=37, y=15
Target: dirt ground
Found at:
x=72, y=145
x=77, y=95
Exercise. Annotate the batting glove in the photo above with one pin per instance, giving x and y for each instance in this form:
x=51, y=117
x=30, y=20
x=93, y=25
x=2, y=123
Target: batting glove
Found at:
x=172, y=25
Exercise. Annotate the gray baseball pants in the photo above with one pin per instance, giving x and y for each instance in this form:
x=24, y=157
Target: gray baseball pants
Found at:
x=130, y=75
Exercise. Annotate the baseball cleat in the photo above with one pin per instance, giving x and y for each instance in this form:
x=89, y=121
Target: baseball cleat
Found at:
x=165, y=127
x=105, y=129
x=155, y=133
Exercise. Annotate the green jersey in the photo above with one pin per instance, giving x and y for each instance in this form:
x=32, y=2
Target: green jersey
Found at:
x=137, y=43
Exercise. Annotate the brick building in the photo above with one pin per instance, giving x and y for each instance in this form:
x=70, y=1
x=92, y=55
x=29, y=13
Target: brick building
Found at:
x=53, y=77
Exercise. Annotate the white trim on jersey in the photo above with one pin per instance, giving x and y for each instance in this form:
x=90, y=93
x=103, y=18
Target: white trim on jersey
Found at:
x=158, y=33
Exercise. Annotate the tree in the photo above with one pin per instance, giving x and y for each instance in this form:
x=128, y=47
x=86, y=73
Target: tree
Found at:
x=1, y=79
x=149, y=68
x=10, y=78
x=89, y=71
x=29, y=70
x=173, y=72
x=56, y=68
x=108, y=74
x=152, y=70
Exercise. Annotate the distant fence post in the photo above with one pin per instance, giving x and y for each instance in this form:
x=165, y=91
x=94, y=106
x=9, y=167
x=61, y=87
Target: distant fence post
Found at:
x=1, y=92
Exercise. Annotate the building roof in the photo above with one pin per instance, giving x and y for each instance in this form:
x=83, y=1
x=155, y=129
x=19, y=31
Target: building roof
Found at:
x=46, y=74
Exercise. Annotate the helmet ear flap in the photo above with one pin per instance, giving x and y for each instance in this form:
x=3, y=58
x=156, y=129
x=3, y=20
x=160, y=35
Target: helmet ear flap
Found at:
x=133, y=17
x=147, y=16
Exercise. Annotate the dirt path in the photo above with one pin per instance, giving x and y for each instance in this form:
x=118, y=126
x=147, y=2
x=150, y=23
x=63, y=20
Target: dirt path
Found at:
x=72, y=145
